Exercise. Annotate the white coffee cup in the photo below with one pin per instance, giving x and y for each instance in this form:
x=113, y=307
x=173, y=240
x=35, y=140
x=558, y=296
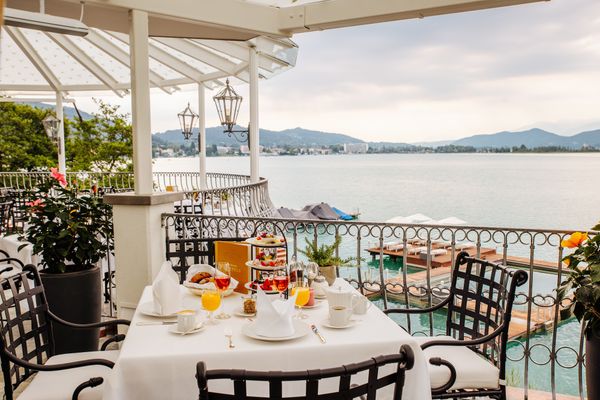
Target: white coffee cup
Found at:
x=339, y=315
x=361, y=305
x=186, y=321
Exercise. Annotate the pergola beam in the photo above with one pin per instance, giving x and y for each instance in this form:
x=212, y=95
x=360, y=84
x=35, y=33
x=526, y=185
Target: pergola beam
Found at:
x=34, y=57
x=345, y=13
x=120, y=55
x=86, y=61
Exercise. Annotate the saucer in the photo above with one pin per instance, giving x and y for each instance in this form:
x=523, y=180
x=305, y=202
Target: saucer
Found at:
x=198, y=328
x=240, y=313
x=350, y=324
x=316, y=305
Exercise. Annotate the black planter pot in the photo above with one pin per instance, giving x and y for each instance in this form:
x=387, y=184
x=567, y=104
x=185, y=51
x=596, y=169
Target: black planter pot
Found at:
x=592, y=365
x=74, y=297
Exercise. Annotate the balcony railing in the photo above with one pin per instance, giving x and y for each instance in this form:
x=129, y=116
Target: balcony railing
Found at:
x=227, y=194
x=546, y=351
x=184, y=181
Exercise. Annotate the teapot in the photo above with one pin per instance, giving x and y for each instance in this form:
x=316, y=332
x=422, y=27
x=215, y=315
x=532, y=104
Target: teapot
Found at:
x=339, y=296
x=320, y=286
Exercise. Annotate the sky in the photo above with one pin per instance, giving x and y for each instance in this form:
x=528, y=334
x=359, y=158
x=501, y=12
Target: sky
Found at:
x=437, y=78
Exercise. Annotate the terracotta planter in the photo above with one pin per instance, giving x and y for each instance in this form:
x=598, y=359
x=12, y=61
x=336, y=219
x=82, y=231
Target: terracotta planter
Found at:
x=592, y=365
x=74, y=297
x=329, y=272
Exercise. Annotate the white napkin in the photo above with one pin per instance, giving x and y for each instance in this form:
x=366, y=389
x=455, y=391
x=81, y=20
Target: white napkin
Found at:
x=165, y=290
x=274, y=317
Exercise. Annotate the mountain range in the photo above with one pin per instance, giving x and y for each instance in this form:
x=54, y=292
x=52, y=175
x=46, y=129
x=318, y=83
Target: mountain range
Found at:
x=531, y=138
x=300, y=137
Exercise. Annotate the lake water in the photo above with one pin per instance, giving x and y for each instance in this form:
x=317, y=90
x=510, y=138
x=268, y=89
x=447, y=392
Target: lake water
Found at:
x=512, y=190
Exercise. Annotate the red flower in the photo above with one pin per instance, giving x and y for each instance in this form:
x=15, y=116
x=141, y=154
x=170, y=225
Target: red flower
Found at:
x=35, y=203
x=58, y=176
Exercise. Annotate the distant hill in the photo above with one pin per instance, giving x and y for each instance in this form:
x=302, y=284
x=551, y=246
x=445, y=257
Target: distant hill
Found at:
x=68, y=111
x=290, y=137
x=531, y=138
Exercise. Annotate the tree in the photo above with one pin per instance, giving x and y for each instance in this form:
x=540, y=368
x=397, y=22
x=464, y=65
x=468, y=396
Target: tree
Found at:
x=103, y=143
x=24, y=144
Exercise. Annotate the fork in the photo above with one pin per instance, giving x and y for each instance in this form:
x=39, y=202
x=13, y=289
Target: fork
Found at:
x=229, y=334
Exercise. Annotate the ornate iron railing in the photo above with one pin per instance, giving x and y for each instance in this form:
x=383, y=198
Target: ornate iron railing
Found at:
x=227, y=194
x=183, y=181
x=546, y=341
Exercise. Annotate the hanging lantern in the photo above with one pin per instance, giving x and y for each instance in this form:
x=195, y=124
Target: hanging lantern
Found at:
x=187, y=119
x=51, y=126
x=228, y=104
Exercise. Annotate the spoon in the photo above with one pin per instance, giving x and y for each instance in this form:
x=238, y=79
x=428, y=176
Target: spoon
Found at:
x=229, y=334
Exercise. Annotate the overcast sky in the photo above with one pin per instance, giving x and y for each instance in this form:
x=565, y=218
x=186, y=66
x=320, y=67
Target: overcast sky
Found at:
x=445, y=77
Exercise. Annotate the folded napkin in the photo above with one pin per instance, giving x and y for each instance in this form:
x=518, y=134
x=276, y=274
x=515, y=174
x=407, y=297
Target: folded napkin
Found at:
x=274, y=317
x=165, y=290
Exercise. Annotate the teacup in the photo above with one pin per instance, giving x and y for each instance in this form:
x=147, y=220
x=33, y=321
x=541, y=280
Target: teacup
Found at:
x=361, y=305
x=186, y=321
x=339, y=316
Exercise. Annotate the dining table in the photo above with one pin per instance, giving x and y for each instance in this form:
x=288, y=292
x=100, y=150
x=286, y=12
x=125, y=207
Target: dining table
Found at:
x=155, y=363
x=19, y=249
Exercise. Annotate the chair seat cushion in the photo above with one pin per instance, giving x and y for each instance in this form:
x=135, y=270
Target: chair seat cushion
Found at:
x=472, y=370
x=59, y=385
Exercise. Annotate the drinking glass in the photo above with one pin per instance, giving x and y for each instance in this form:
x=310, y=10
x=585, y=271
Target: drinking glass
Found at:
x=222, y=282
x=211, y=300
x=311, y=271
x=281, y=281
x=301, y=299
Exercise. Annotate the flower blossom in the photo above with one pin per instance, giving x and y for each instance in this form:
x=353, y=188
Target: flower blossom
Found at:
x=58, y=176
x=576, y=239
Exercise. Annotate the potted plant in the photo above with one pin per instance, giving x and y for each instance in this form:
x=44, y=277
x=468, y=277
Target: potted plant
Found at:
x=325, y=257
x=71, y=233
x=584, y=279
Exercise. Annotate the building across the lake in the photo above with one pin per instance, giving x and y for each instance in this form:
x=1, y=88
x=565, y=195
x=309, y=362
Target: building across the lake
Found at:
x=356, y=148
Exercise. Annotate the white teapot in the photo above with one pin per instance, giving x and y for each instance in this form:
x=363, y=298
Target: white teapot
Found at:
x=339, y=296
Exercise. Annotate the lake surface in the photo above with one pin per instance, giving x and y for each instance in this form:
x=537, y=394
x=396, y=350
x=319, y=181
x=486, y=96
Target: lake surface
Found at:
x=511, y=190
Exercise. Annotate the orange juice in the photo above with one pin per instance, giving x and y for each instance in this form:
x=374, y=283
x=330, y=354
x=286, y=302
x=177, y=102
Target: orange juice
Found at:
x=211, y=300
x=303, y=295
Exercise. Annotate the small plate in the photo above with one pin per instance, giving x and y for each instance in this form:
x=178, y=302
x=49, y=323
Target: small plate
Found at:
x=316, y=305
x=198, y=328
x=300, y=330
x=352, y=323
x=261, y=243
x=148, y=310
x=247, y=286
x=240, y=313
x=321, y=297
x=194, y=289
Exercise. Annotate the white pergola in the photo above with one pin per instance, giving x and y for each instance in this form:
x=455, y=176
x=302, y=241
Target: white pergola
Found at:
x=148, y=26
x=37, y=62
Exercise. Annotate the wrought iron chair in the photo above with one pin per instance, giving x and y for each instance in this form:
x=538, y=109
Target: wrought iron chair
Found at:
x=470, y=360
x=27, y=345
x=346, y=390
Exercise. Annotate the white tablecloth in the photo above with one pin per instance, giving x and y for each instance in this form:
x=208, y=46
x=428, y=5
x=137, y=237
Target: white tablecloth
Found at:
x=11, y=244
x=156, y=364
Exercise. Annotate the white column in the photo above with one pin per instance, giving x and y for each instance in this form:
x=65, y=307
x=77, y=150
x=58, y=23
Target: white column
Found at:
x=140, y=101
x=254, y=134
x=202, y=134
x=62, y=163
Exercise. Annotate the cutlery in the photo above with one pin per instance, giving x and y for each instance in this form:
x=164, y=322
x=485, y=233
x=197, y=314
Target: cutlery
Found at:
x=146, y=323
x=228, y=334
x=316, y=332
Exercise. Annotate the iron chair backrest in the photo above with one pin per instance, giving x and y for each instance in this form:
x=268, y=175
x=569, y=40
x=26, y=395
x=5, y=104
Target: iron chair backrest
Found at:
x=403, y=361
x=186, y=252
x=481, y=301
x=25, y=331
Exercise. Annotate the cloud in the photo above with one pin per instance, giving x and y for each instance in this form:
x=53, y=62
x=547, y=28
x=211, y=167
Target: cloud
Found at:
x=436, y=78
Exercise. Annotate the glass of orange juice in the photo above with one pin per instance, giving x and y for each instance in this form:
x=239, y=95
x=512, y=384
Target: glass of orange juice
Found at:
x=302, y=297
x=211, y=300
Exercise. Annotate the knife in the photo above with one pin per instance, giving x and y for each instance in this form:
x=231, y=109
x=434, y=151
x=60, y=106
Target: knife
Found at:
x=316, y=331
x=145, y=323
